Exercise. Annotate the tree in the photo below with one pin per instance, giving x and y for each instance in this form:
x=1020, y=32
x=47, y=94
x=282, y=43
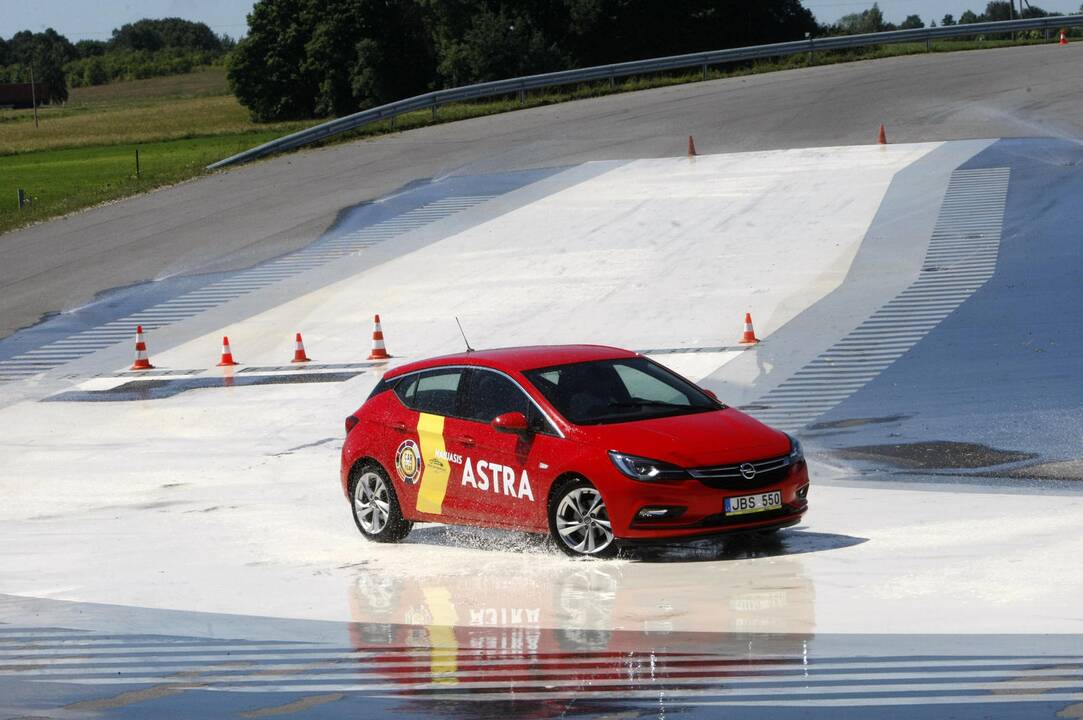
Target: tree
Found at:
x=305, y=57
x=94, y=72
x=948, y=20
x=867, y=21
x=46, y=52
x=267, y=71
x=153, y=35
x=500, y=43
x=90, y=48
x=997, y=11
x=968, y=17
x=912, y=22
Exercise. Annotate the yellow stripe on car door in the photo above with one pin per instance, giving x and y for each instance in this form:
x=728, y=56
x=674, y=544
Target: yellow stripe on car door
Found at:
x=434, y=476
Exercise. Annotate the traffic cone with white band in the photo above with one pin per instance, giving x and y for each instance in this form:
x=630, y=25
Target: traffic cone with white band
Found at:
x=749, y=335
x=142, y=360
x=299, y=351
x=379, y=351
x=227, y=355
x=1063, y=37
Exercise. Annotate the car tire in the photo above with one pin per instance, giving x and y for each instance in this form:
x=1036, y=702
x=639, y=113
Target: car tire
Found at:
x=579, y=521
x=376, y=510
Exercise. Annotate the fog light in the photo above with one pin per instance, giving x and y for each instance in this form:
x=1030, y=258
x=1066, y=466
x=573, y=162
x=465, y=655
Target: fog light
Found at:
x=802, y=492
x=659, y=513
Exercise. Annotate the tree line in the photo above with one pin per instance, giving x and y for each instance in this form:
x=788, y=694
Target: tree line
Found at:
x=332, y=57
x=872, y=20
x=146, y=48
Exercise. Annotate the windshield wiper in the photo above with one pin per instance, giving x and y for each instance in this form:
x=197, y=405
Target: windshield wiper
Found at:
x=635, y=402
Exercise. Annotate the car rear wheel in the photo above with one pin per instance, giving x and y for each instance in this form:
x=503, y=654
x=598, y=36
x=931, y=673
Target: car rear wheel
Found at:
x=376, y=507
x=579, y=521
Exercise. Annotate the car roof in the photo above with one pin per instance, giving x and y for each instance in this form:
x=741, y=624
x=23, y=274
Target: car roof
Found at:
x=517, y=359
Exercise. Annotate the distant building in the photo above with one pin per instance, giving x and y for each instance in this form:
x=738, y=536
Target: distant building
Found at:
x=19, y=95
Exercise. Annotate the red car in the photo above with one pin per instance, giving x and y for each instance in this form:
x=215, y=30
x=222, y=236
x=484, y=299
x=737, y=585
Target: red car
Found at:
x=595, y=445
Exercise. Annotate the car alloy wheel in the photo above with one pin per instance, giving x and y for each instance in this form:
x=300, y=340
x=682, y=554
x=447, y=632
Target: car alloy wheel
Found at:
x=371, y=501
x=580, y=522
x=375, y=507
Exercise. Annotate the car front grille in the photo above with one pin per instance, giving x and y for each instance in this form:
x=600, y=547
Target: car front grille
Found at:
x=730, y=477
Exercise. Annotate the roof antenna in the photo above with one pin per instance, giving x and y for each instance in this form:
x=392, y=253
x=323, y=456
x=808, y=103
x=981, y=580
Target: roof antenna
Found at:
x=468, y=348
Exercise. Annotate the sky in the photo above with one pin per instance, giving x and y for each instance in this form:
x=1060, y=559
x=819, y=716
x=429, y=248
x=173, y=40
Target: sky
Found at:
x=95, y=19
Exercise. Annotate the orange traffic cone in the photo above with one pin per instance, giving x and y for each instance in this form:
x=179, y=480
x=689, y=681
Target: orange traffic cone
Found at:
x=142, y=360
x=227, y=354
x=882, y=139
x=379, y=352
x=1063, y=37
x=299, y=351
x=691, y=147
x=749, y=335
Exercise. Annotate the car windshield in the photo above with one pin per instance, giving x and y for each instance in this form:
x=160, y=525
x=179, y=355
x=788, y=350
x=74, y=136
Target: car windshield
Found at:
x=622, y=390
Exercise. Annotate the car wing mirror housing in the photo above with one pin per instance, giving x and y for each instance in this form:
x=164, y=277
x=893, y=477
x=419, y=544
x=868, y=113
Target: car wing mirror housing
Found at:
x=710, y=394
x=512, y=422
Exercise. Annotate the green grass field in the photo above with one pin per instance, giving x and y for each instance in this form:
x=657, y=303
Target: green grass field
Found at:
x=83, y=153
x=62, y=181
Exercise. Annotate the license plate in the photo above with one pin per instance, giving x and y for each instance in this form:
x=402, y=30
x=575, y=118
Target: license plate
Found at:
x=754, y=503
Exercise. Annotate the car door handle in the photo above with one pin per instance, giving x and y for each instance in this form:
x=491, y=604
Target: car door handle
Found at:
x=466, y=440
x=401, y=427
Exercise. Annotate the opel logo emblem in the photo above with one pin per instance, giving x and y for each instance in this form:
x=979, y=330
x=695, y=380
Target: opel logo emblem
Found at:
x=748, y=471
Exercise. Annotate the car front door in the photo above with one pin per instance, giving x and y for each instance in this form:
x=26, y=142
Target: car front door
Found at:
x=506, y=472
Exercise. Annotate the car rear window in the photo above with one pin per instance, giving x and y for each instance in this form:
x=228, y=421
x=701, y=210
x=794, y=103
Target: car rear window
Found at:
x=433, y=391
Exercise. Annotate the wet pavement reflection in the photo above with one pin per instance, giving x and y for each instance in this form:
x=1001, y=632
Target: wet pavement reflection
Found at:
x=500, y=656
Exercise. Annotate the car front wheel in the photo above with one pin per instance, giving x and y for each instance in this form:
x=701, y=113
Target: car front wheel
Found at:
x=376, y=507
x=579, y=521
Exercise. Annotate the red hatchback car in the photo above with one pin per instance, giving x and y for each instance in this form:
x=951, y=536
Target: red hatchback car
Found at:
x=595, y=445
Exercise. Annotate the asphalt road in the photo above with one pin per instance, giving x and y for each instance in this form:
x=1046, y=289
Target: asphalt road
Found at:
x=236, y=218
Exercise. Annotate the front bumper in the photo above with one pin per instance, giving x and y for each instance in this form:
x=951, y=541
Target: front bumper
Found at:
x=703, y=507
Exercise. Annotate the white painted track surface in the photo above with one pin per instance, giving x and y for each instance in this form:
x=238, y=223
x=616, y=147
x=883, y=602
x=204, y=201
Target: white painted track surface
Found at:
x=226, y=499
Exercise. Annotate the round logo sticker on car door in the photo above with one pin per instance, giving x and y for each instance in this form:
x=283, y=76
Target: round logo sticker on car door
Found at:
x=408, y=462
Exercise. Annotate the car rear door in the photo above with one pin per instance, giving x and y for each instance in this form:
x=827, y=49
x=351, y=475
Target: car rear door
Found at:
x=506, y=472
x=428, y=468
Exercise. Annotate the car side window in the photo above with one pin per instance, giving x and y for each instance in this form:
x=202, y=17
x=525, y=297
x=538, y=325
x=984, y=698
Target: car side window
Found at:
x=490, y=394
x=434, y=391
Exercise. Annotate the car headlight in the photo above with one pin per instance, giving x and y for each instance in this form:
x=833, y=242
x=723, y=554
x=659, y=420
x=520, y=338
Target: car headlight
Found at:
x=645, y=469
x=797, y=454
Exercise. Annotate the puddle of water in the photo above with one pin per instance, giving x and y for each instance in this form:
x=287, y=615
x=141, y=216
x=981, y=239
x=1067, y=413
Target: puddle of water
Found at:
x=856, y=422
x=936, y=454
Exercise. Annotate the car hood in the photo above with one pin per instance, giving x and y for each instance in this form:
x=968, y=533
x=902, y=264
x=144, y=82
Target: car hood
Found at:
x=721, y=437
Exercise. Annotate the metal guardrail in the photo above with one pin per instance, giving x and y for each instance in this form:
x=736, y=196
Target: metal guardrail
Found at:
x=521, y=85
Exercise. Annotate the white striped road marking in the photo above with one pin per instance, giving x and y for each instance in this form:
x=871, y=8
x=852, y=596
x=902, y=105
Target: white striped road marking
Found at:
x=961, y=258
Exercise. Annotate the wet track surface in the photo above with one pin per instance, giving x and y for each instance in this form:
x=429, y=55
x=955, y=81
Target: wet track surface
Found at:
x=520, y=670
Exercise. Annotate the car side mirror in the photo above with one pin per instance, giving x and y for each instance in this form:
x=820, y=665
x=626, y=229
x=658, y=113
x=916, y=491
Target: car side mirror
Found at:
x=710, y=394
x=512, y=422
